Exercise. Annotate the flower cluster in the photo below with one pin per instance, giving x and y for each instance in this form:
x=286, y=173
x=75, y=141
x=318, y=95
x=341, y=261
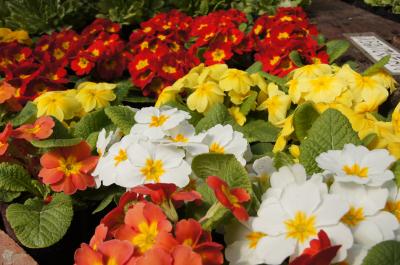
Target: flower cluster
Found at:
x=159, y=149
x=158, y=53
x=354, y=213
x=145, y=236
x=275, y=37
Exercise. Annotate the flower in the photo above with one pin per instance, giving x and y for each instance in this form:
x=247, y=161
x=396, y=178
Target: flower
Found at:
x=145, y=224
x=7, y=91
x=7, y=35
x=4, y=135
x=284, y=134
x=205, y=96
x=277, y=104
x=103, y=141
x=358, y=165
x=263, y=169
x=320, y=252
x=324, y=89
x=298, y=214
x=393, y=202
x=60, y=104
x=224, y=140
x=230, y=198
x=237, y=115
x=68, y=169
x=155, y=163
x=369, y=223
x=312, y=71
x=42, y=128
x=153, y=122
x=95, y=96
x=236, y=80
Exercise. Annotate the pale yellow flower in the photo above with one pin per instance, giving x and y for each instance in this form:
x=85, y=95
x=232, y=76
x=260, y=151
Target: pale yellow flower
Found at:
x=95, y=95
x=277, y=104
x=396, y=119
x=167, y=95
x=234, y=79
x=238, y=116
x=284, y=135
x=205, y=96
x=324, y=89
x=7, y=35
x=312, y=71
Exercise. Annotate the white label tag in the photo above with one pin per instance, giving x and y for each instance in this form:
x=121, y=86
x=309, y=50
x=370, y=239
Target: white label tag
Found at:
x=376, y=49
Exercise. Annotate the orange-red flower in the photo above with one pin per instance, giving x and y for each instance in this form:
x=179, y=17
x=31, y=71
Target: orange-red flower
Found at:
x=68, y=169
x=4, y=138
x=232, y=199
x=7, y=91
x=320, y=252
x=82, y=64
x=145, y=224
x=42, y=128
x=181, y=255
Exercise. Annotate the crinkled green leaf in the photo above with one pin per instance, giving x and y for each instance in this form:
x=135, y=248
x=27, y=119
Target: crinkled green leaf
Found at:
x=122, y=11
x=260, y=131
x=282, y=159
x=377, y=66
x=249, y=103
x=8, y=196
x=396, y=172
x=92, y=122
x=92, y=139
x=336, y=48
x=26, y=115
x=53, y=143
x=122, y=116
x=15, y=178
x=261, y=149
x=387, y=252
x=331, y=131
x=39, y=225
x=218, y=114
x=303, y=118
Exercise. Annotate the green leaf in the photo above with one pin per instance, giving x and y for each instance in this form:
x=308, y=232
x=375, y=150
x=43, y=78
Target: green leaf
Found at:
x=277, y=80
x=331, y=131
x=369, y=139
x=282, y=159
x=92, y=139
x=15, y=178
x=92, y=122
x=139, y=99
x=377, y=66
x=27, y=114
x=260, y=131
x=60, y=131
x=249, y=103
x=296, y=58
x=122, y=116
x=39, y=225
x=261, y=149
x=53, y=143
x=122, y=91
x=336, y=48
x=8, y=196
x=218, y=114
x=387, y=252
x=254, y=68
x=104, y=203
x=396, y=172
x=303, y=118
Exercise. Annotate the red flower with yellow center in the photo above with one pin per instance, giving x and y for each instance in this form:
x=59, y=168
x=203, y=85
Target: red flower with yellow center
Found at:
x=82, y=65
x=232, y=199
x=218, y=54
x=42, y=128
x=68, y=169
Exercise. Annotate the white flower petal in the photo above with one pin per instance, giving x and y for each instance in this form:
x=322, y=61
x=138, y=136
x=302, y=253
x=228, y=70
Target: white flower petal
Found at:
x=305, y=197
x=275, y=249
x=367, y=234
x=331, y=210
x=178, y=175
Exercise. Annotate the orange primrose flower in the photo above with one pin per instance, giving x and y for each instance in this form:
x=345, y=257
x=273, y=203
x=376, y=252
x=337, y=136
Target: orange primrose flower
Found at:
x=42, y=128
x=232, y=199
x=4, y=138
x=7, y=91
x=68, y=169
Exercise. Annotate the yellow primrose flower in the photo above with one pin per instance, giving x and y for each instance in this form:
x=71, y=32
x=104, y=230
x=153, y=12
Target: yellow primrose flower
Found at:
x=60, y=104
x=284, y=135
x=167, y=95
x=324, y=89
x=348, y=75
x=238, y=116
x=386, y=79
x=312, y=71
x=277, y=104
x=7, y=35
x=95, y=95
x=294, y=151
x=368, y=88
x=217, y=71
x=234, y=79
x=205, y=96
x=396, y=119
x=297, y=89
x=237, y=98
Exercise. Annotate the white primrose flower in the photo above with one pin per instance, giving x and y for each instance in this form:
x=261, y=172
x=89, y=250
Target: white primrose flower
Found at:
x=153, y=122
x=184, y=135
x=115, y=166
x=298, y=215
x=246, y=246
x=263, y=167
x=156, y=163
x=355, y=255
x=369, y=223
x=357, y=164
x=224, y=140
x=294, y=174
x=105, y=140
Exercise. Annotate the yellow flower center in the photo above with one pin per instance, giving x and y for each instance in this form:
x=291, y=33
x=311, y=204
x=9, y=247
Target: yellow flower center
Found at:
x=58, y=54
x=147, y=29
x=286, y=18
x=44, y=47
x=161, y=37
x=232, y=199
x=274, y=60
x=65, y=45
x=157, y=121
x=188, y=242
x=258, y=29
x=216, y=148
x=321, y=83
x=353, y=217
x=122, y=156
x=69, y=166
x=169, y=69
x=144, y=45
x=146, y=237
x=394, y=208
x=153, y=170
x=142, y=64
x=301, y=227
x=253, y=238
x=218, y=55
x=83, y=62
x=283, y=35
x=96, y=52
x=33, y=130
x=356, y=170
x=180, y=138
